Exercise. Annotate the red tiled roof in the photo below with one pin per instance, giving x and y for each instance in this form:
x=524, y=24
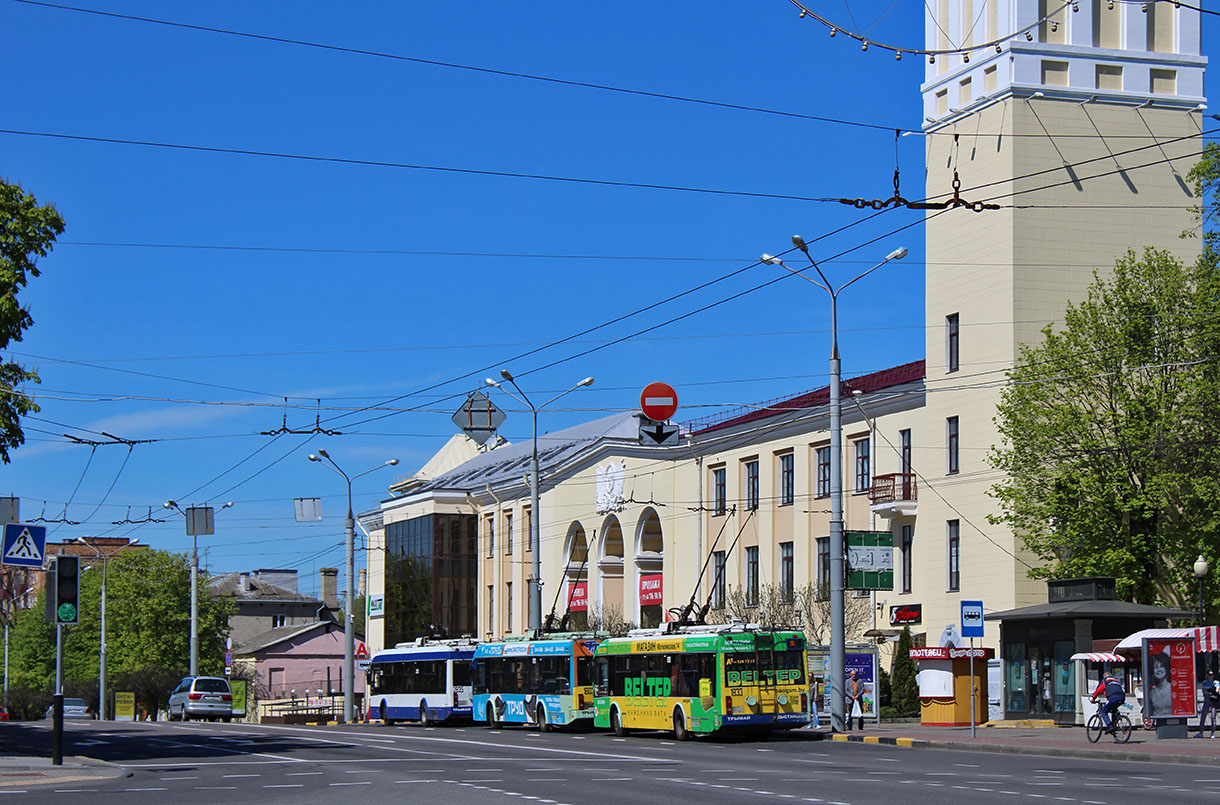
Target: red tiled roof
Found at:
x=906, y=373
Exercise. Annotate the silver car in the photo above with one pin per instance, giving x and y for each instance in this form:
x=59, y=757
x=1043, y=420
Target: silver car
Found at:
x=73, y=708
x=204, y=697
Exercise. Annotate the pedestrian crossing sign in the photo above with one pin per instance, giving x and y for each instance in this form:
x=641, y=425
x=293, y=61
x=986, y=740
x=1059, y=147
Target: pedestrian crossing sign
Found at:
x=24, y=545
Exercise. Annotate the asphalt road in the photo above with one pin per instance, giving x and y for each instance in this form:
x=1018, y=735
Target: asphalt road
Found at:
x=266, y=764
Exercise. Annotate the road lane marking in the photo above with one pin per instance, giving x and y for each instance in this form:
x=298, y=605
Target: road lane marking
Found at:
x=302, y=773
x=285, y=785
x=362, y=782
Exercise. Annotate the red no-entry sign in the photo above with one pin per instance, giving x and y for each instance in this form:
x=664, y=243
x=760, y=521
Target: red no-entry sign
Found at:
x=659, y=401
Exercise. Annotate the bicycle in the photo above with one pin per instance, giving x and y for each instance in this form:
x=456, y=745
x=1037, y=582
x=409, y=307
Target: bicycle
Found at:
x=1097, y=726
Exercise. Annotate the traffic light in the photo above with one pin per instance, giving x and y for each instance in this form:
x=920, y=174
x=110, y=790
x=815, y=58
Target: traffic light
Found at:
x=67, y=590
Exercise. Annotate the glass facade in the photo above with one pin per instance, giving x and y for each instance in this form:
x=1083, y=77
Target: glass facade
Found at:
x=431, y=574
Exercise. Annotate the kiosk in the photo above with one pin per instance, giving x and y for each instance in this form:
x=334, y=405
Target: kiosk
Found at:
x=944, y=684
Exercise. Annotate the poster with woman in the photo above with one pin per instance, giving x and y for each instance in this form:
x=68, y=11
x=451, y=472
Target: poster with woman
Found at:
x=1169, y=677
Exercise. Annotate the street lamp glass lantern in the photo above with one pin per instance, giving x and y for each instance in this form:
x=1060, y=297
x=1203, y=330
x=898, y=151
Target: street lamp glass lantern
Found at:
x=1201, y=567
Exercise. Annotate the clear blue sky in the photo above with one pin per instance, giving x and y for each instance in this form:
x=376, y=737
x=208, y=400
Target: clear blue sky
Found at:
x=250, y=278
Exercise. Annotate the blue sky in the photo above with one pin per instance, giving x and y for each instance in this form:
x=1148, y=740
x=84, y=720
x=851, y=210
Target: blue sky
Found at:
x=250, y=278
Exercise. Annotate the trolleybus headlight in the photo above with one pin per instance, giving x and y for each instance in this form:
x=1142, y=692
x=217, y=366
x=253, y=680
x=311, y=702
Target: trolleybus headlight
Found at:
x=782, y=698
x=751, y=700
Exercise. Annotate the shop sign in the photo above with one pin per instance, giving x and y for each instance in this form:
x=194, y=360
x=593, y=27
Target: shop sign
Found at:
x=650, y=590
x=906, y=614
x=936, y=653
x=578, y=596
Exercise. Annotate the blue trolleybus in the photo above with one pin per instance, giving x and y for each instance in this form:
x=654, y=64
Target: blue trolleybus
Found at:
x=544, y=682
x=426, y=681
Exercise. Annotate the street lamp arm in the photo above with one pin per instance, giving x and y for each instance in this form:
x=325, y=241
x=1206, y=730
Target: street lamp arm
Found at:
x=329, y=464
x=588, y=381
x=775, y=261
x=391, y=463
x=897, y=254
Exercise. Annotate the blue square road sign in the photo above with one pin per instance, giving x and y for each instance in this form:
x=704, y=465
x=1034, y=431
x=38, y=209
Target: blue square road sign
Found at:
x=24, y=545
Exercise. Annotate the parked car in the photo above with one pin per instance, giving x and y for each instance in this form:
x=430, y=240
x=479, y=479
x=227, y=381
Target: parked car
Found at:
x=203, y=697
x=3, y=714
x=73, y=708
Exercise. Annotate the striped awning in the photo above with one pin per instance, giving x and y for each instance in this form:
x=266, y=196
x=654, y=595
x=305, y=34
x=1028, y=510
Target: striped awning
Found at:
x=1098, y=656
x=1206, y=638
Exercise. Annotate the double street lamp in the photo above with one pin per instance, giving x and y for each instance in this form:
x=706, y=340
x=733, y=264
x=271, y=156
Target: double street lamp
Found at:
x=349, y=622
x=838, y=637
x=535, y=582
x=195, y=525
x=104, y=557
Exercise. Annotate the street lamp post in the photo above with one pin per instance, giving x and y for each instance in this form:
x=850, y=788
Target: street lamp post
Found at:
x=838, y=637
x=1200, y=574
x=192, y=530
x=349, y=620
x=101, y=648
x=535, y=509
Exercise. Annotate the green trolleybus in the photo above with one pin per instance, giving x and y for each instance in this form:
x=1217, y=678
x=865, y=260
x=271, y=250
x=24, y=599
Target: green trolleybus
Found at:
x=702, y=679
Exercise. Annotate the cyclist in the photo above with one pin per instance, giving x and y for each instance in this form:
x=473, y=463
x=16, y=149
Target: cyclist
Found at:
x=1115, y=696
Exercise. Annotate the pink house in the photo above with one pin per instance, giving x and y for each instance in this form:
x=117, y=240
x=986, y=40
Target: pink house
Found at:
x=302, y=660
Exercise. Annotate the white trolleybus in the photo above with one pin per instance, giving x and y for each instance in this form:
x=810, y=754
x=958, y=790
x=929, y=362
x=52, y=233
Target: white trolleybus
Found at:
x=427, y=680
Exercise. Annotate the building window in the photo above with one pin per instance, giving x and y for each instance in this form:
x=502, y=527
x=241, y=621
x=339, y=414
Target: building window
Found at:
x=278, y=620
x=964, y=92
x=1163, y=82
x=863, y=469
x=989, y=74
x=527, y=517
x=1109, y=76
x=490, y=528
x=1107, y=26
x=953, y=550
x=719, y=491
x=952, y=333
x=787, y=485
x=1161, y=28
x=787, y=571
x=823, y=464
x=491, y=609
x=1055, y=73
x=942, y=99
x=508, y=600
x=752, y=575
x=751, y=485
x=951, y=445
x=823, y=545
x=718, y=581
x=904, y=461
x=508, y=533
x=908, y=536
x=1053, y=27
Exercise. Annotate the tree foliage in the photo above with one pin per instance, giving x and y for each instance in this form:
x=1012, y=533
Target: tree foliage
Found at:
x=27, y=232
x=147, y=631
x=805, y=609
x=904, y=689
x=1109, y=432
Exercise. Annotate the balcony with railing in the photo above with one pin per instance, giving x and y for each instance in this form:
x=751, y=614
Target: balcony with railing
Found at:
x=894, y=495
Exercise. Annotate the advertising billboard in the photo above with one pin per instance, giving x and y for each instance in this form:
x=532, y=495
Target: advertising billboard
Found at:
x=1169, y=677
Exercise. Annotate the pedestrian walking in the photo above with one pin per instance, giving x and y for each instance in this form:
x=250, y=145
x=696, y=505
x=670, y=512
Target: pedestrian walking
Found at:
x=1211, y=702
x=855, y=699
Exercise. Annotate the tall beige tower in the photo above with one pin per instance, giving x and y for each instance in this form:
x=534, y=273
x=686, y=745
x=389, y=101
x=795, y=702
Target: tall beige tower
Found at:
x=1083, y=131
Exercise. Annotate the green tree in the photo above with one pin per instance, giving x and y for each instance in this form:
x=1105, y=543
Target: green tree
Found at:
x=904, y=691
x=1109, y=432
x=27, y=232
x=147, y=631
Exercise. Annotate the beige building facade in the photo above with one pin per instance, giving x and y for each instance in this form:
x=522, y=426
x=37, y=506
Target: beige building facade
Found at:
x=1082, y=133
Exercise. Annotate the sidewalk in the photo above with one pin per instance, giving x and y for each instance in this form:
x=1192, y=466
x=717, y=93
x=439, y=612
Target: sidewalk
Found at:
x=1055, y=741
x=26, y=770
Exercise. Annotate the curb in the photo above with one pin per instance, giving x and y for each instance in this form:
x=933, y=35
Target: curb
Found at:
x=1010, y=749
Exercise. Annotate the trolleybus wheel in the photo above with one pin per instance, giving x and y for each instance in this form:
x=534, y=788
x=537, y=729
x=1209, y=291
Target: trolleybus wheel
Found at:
x=616, y=722
x=680, y=733
x=424, y=721
x=543, y=725
x=385, y=719
x=491, y=717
